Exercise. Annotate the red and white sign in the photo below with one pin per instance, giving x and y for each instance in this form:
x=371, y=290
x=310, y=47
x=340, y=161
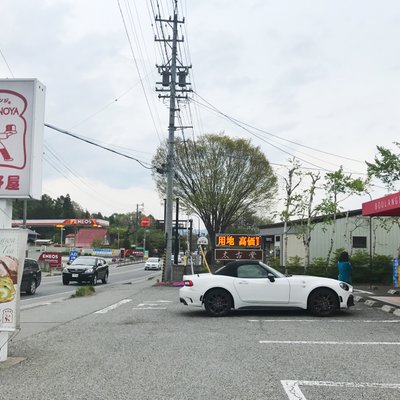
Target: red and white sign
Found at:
x=21, y=138
x=145, y=222
x=384, y=206
x=53, y=258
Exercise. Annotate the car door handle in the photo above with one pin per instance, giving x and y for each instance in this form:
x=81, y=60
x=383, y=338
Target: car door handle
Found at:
x=243, y=283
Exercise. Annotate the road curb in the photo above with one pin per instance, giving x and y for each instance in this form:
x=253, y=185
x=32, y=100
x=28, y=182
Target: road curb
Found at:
x=388, y=309
x=371, y=303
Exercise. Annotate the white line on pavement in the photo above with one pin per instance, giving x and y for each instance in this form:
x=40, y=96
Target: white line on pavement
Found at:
x=292, y=388
x=365, y=321
x=328, y=342
x=113, y=306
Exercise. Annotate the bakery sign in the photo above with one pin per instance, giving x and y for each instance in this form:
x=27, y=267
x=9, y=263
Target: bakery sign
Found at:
x=12, y=256
x=21, y=138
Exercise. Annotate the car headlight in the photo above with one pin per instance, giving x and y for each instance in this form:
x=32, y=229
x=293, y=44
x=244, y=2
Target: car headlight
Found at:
x=89, y=270
x=344, y=285
x=65, y=269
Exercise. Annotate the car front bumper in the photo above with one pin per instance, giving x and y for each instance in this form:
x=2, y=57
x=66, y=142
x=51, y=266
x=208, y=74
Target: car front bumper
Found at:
x=78, y=277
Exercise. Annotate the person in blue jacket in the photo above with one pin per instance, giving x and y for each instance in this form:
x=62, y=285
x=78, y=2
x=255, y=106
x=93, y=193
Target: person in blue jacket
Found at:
x=344, y=267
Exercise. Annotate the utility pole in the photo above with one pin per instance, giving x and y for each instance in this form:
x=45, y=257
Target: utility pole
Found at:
x=173, y=73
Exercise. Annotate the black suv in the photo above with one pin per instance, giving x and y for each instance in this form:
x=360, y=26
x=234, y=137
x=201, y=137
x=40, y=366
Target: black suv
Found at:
x=31, y=277
x=86, y=269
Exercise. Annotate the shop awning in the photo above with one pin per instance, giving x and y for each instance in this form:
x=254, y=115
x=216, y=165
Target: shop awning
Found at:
x=387, y=206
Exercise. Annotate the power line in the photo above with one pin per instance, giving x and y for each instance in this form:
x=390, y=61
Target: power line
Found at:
x=271, y=134
x=142, y=163
x=5, y=61
x=138, y=70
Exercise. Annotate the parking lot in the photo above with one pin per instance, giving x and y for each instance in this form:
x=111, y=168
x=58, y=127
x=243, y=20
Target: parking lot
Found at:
x=144, y=344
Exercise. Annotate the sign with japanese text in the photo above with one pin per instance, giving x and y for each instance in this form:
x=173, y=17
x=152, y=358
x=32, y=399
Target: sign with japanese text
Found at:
x=243, y=241
x=21, y=138
x=12, y=257
x=53, y=258
x=238, y=254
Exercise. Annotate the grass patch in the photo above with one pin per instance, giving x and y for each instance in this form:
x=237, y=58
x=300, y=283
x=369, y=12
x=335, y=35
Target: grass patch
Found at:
x=84, y=291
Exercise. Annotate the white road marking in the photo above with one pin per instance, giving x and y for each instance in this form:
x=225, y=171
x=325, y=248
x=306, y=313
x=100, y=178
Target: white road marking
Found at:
x=365, y=321
x=328, y=342
x=113, y=306
x=292, y=388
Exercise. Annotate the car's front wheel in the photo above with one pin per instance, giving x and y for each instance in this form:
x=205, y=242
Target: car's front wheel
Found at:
x=94, y=280
x=323, y=302
x=65, y=281
x=105, y=279
x=32, y=287
x=218, y=302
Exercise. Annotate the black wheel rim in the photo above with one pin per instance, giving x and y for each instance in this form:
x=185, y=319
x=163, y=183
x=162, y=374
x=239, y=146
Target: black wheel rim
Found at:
x=218, y=303
x=324, y=303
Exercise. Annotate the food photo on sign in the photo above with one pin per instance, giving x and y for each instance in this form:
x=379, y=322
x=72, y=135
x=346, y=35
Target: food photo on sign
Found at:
x=12, y=250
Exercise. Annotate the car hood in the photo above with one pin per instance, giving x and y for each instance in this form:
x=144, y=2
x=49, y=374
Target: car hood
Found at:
x=80, y=266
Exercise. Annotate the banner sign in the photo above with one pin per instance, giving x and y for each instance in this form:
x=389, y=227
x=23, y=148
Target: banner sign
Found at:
x=396, y=276
x=53, y=258
x=21, y=138
x=238, y=254
x=12, y=257
x=241, y=241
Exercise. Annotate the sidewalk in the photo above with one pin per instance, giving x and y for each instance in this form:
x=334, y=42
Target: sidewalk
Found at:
x=379, y=295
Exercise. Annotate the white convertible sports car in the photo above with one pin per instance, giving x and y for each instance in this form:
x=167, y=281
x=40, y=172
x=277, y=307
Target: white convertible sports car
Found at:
x=253, y=284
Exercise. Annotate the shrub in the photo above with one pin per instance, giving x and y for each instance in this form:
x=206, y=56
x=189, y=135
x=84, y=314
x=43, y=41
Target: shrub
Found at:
x=86, y=290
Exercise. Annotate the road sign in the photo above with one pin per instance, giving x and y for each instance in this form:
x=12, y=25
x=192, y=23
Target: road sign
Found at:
x=202, y=240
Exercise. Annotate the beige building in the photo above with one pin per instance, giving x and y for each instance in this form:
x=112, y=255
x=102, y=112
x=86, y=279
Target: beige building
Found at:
x=352, y=232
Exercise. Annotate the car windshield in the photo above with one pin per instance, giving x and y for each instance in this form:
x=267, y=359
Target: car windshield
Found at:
x=152, y=260
x=84, y=261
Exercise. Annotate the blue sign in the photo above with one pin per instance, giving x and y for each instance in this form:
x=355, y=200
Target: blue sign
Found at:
x=396, y=272
x=73, y=254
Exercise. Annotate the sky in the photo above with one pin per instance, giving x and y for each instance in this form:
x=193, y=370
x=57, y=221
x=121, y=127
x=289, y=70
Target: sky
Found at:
x=318, y=79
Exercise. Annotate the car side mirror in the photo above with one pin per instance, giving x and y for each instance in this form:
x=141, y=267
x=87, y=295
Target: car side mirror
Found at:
x=68, y=262
x=271, y=277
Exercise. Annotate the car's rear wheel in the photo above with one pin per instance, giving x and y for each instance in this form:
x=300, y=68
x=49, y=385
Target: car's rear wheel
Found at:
x=323, y=302
x=32, y=287
x=65, y=281
x=218, y=302
x=105, y=279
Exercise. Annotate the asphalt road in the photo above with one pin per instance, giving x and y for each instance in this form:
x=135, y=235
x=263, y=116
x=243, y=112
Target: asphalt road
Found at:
x=52, y=288
x=136, y=341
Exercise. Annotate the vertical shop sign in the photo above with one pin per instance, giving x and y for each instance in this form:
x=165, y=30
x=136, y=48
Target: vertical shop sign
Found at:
x=21, y=138
x=12, y=257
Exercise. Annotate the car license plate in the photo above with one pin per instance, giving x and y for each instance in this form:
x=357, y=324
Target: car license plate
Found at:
x=75, y=275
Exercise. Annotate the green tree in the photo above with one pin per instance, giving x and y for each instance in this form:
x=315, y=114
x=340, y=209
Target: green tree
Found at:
x=291, y=202
x=338, y=187
x=386, y=166
x=218, y=178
